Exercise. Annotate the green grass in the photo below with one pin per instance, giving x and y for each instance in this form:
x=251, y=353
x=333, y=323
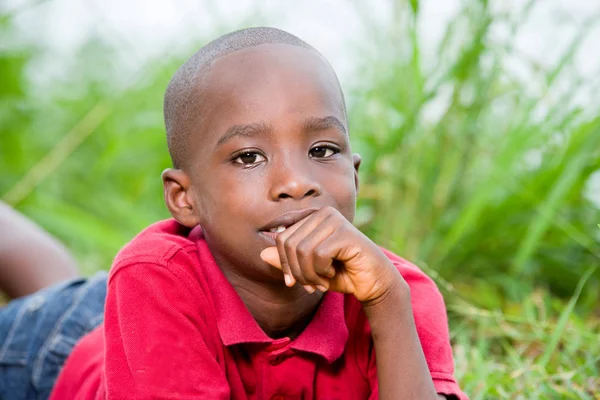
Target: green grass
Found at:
x=465, y=172
x=537, y=349
x=457, y=191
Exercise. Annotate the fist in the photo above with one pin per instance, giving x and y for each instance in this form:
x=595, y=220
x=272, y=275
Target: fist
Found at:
x=325, y=251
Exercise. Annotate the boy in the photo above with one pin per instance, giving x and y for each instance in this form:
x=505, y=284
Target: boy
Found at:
x=260, y=287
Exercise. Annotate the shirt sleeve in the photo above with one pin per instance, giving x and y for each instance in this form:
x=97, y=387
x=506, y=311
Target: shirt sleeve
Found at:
x=431, y=321
x=155, y=347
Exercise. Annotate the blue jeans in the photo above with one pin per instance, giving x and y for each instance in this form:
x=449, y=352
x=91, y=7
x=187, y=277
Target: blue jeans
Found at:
x=38, y=332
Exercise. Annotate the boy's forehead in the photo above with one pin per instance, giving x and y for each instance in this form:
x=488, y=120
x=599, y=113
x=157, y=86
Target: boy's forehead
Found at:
x=266, y=83
x=271, y=57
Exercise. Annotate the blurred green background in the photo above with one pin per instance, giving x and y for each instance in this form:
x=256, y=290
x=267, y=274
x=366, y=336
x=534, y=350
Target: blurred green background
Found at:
x=481, y=156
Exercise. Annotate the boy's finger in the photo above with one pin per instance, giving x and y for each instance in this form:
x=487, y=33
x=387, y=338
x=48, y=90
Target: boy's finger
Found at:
x=315, y=269
x=288, y=276
x=328, y=252
x=289, y=266
x=289, y=241
x=270, y=255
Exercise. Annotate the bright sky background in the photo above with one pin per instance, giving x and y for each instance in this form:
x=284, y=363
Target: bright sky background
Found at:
x=150, y=27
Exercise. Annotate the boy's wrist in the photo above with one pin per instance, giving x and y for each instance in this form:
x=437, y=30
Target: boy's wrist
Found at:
x=391, y=308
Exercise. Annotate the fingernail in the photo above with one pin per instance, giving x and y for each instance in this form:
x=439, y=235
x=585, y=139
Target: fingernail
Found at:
x=288, y=280
x=309, y=289
x=322, y=288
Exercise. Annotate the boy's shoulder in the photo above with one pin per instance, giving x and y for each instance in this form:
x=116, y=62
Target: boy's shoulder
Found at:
x=156, y=244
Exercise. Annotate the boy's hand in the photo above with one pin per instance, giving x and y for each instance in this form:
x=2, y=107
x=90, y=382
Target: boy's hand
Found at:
x=325, y=251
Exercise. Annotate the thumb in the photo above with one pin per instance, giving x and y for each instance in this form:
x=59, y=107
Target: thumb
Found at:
x=270, y=255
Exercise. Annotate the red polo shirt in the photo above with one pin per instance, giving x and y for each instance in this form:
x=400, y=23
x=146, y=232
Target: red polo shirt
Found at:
x=176, y=329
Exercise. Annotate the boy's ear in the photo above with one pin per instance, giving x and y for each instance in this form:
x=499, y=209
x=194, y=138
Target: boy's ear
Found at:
x=356, y=160
x=179, y=197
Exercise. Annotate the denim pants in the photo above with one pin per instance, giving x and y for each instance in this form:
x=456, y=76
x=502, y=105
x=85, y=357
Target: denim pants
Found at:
x=38, y=332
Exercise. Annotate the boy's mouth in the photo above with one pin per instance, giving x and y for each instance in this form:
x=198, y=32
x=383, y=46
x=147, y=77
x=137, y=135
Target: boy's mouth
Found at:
x=273, y=232
x=279, y=229
x=272, y=229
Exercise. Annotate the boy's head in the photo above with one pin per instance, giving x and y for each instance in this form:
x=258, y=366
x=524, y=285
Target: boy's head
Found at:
x=257, y=131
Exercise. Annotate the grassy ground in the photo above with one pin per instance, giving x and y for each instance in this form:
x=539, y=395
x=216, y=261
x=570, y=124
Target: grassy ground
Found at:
x=479, y=175
x=537, y=349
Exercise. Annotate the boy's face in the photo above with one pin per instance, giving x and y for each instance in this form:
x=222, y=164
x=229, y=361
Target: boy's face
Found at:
x=270, y=145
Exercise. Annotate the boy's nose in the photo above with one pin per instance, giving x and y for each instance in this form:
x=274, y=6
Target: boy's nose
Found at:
x=293, y=182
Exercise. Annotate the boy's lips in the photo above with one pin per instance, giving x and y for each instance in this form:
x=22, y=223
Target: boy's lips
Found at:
x=271, y=236
x=284, y=221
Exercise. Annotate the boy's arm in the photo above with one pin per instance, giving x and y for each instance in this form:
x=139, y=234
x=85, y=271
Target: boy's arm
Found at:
x=396, y=340
x=395, y=337
x=431, y=325
x=30, y=259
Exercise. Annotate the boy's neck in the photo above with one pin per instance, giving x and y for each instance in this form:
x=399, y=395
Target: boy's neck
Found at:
x=279, y=311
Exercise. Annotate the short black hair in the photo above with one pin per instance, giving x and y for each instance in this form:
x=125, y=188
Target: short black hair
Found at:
x=179, y=101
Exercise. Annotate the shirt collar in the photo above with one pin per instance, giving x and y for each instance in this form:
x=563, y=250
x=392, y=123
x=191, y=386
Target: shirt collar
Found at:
x=325, y=335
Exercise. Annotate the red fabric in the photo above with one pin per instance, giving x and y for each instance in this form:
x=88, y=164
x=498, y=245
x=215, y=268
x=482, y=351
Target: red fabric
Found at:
x=176, y=329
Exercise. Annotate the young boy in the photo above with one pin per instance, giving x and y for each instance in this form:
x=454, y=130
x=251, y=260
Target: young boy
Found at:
x=259, y=287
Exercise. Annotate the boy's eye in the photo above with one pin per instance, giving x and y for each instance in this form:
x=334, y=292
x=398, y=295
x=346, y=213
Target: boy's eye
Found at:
x=249, y=157
x=322, y=152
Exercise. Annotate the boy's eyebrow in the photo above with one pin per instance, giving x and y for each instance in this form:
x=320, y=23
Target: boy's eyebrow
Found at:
x=248, y=130
x=311, y=124
x=315, y=124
